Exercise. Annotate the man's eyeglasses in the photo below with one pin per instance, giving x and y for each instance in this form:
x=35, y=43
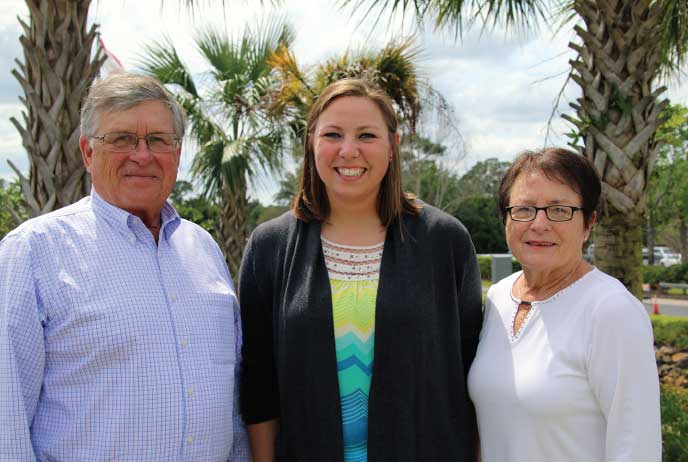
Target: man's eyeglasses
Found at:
x=553, y=212
x=127, y=142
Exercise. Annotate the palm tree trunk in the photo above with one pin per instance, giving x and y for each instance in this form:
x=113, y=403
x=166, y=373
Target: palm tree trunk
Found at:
x=617, y=116
x=55, y=76
x=232, y=231
x=618, y=241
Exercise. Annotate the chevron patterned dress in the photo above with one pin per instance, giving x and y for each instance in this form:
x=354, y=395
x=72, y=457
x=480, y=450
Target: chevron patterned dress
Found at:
x=354, y=274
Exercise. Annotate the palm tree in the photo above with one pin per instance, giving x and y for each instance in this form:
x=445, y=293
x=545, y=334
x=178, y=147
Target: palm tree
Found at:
x=623, y=48
x=55, y=76
x=238, y=128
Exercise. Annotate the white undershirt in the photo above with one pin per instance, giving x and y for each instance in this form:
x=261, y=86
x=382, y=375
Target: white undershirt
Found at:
x=578, y=383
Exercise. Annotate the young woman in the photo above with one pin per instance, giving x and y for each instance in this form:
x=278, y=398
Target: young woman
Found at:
x=361, y=307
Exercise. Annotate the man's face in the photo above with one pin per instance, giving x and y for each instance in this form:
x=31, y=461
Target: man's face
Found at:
x=138, y=181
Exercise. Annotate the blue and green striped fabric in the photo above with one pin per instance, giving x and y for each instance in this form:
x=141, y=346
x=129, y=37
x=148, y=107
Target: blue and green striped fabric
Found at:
x=353, y=305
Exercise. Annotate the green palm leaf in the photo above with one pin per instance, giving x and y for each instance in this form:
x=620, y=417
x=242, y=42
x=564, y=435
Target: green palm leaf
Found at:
x=162, y=61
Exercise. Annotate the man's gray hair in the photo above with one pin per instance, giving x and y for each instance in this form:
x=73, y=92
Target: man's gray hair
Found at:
x=121, y=91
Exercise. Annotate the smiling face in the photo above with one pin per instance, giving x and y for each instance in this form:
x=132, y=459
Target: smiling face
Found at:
x=352, y=149
x=138, y=181
x=543, y=245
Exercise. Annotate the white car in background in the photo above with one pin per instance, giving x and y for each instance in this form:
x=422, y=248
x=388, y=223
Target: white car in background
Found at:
x=664, y=256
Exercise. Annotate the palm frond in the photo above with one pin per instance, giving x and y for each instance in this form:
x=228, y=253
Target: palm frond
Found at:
x=369, y=7
x=288, y=185
x=270, y=35
x=217, y=50
x=520, y=14
x=231, y=162
x=207, y=166
x=674, y=28
x=235, y=160
x=191, y=5
x=294, y=90
x=394, y=68
x=269, y=148
x=162, y=61
x=204, y=128
x=397, y=74
x=459, y=14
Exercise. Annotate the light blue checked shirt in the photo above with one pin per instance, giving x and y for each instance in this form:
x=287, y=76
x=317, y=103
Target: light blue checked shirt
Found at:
x=115, y=348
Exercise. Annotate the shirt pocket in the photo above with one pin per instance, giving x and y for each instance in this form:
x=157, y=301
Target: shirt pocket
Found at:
x=220, y=328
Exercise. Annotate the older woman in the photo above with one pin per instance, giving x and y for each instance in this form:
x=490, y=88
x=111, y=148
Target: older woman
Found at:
x=360, y=307
x=565, y=368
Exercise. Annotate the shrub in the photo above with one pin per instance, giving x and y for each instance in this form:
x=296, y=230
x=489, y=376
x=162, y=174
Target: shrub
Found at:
x=674, y=406
x=485, y=262
x=674, y=273
x=678, y=273
x=653, y=274
x=671, y=330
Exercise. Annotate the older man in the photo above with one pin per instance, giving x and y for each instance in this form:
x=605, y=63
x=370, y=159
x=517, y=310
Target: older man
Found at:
x=119, y=329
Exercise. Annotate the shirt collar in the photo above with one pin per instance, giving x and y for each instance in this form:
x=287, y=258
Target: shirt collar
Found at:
x=126, y=222
x=114, y=215
x=169, y=220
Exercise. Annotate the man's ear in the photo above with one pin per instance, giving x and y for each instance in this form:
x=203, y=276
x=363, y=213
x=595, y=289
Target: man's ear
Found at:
x=397, y=138
x=86, y=152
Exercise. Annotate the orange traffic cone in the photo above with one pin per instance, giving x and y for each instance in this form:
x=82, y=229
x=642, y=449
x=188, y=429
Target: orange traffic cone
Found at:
x=655, y=305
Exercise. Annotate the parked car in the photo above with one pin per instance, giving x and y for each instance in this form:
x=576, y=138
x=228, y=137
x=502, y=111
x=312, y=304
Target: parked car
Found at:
x=664, y=256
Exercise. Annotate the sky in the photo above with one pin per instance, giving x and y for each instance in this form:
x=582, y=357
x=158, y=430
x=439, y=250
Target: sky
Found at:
x=502, y=87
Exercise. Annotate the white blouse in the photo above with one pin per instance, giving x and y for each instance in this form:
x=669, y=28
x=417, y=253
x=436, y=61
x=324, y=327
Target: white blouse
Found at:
x=577, y=383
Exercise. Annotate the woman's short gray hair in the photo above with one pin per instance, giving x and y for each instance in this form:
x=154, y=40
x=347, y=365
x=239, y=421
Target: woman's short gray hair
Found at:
x=121, y=91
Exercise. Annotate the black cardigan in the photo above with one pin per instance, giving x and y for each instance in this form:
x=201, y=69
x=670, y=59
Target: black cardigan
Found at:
x=428, y=317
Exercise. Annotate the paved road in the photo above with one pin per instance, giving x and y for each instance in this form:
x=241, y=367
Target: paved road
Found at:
x=669, y=306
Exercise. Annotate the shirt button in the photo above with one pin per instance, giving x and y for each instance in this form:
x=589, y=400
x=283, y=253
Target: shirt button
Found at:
x=185, y=343
x=173, y=298
x=190, y=391
x=190, y=439
x=132, y=240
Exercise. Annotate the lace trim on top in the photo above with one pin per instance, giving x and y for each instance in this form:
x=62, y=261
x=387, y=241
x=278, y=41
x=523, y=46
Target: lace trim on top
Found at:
x=534, y=305
x=352, y=263
x=513, y=336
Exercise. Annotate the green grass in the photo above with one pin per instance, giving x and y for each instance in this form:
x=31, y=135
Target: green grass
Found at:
x=669, y=319
x=675, y=291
